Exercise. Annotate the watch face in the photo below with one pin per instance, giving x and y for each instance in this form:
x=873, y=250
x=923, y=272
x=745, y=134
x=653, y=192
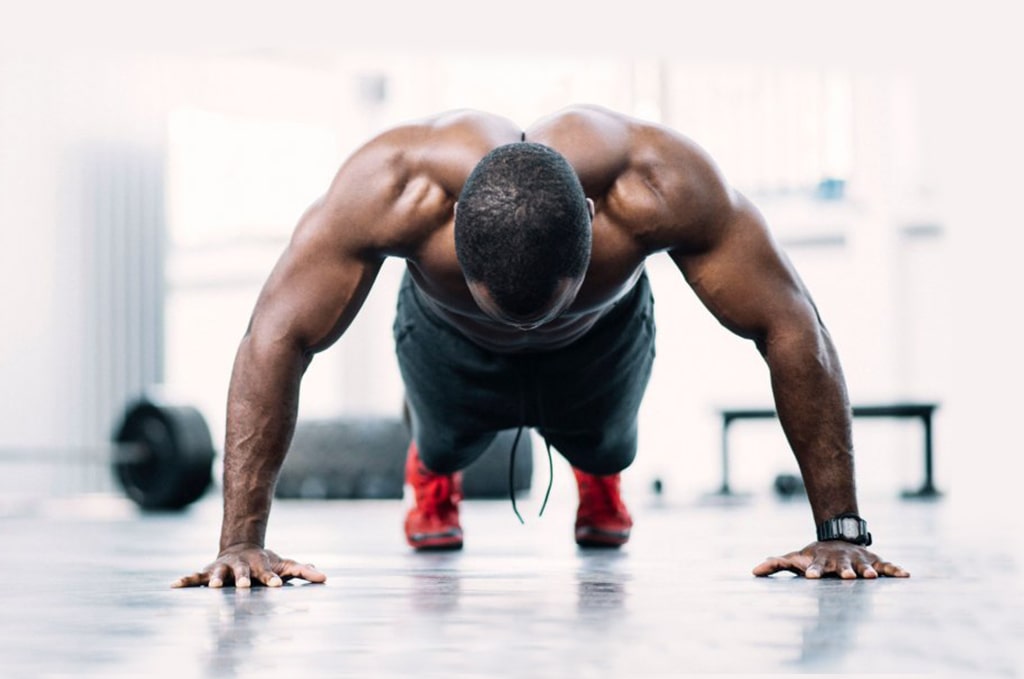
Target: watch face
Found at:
x=849, y=527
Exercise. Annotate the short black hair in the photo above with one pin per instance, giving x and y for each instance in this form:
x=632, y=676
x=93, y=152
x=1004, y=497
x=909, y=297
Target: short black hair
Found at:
x=522, y=224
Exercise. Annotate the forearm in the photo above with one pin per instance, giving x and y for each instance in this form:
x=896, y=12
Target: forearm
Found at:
x=814, y=409
x=262, y=408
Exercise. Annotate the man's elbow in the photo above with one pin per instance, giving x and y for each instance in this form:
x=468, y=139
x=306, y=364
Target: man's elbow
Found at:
x=265, y=343
x=803, y=340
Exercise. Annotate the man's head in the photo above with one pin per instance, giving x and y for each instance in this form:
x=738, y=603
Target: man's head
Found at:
x=523, y=233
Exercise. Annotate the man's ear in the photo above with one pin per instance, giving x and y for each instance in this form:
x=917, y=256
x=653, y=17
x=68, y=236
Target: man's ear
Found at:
x=590, y=208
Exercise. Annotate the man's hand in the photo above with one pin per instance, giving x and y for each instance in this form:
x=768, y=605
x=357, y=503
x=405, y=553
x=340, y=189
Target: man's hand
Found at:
x=245, y=564
x=834, y=556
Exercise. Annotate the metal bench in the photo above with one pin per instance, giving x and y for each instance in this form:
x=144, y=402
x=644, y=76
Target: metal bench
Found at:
x=922, y=411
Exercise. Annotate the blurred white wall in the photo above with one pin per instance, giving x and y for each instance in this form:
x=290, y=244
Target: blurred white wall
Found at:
x=912, y=270
x=67, y=127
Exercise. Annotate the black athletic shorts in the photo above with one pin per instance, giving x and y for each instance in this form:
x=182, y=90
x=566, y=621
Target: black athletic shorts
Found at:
x=583, y=398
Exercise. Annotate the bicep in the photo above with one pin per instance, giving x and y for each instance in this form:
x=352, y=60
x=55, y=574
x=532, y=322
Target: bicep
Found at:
x=746, y=281
x=316, y=288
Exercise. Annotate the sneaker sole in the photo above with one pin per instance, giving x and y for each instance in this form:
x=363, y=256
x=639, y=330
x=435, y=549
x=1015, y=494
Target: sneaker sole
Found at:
x=595, y=537
x=436, y=542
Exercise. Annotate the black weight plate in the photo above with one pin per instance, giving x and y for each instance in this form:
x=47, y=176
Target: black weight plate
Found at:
x=170, y=455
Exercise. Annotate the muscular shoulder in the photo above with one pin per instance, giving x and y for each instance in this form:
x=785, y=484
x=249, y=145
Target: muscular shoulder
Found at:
x=651, y=181
x=443, y=148
x=399, y=186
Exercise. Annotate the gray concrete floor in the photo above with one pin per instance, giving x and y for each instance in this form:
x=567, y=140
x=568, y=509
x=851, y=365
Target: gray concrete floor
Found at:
x=87, y=595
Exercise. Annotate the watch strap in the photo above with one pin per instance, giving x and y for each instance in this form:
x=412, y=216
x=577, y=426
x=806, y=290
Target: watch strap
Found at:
x=846, y=527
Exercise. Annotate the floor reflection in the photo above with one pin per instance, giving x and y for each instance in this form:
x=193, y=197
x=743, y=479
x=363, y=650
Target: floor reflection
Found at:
x=436, y=592
x=435, y=581
x=842, y=606
x=601, y=582
x=237, y=622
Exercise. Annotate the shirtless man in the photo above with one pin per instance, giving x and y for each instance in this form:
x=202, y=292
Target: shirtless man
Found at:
x=526, y=304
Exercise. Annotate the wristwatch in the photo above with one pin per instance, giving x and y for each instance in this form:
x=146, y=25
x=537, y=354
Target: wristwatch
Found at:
x=846, y=527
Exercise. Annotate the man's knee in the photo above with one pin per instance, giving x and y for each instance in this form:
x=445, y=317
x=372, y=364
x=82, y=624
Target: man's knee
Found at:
x=452, y=455
x=596, y=454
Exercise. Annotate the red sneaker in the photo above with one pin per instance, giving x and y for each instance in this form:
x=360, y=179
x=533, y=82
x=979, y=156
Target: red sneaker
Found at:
x=433, y=522
x=602, y=519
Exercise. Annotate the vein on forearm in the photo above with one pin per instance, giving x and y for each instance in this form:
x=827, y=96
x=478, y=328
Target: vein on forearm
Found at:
x=262, y=408
x=813, y=406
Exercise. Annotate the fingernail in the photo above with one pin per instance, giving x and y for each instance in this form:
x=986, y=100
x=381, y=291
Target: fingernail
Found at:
x=274, y=582
x=216, y=583
x=243, y=583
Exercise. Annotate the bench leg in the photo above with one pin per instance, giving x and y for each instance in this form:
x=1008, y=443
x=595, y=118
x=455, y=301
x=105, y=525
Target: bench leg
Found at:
x=724, y=489
x=927, y=490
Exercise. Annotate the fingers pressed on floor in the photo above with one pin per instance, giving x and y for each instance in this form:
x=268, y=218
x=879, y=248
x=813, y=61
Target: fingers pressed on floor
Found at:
x=194, y=580
x=219, y=575
x=770, y=565
x=241, y=574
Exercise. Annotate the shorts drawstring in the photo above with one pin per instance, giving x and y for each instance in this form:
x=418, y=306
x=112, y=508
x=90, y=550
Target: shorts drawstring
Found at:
x=515, y=445
x=511, y=474
x=547, y=446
